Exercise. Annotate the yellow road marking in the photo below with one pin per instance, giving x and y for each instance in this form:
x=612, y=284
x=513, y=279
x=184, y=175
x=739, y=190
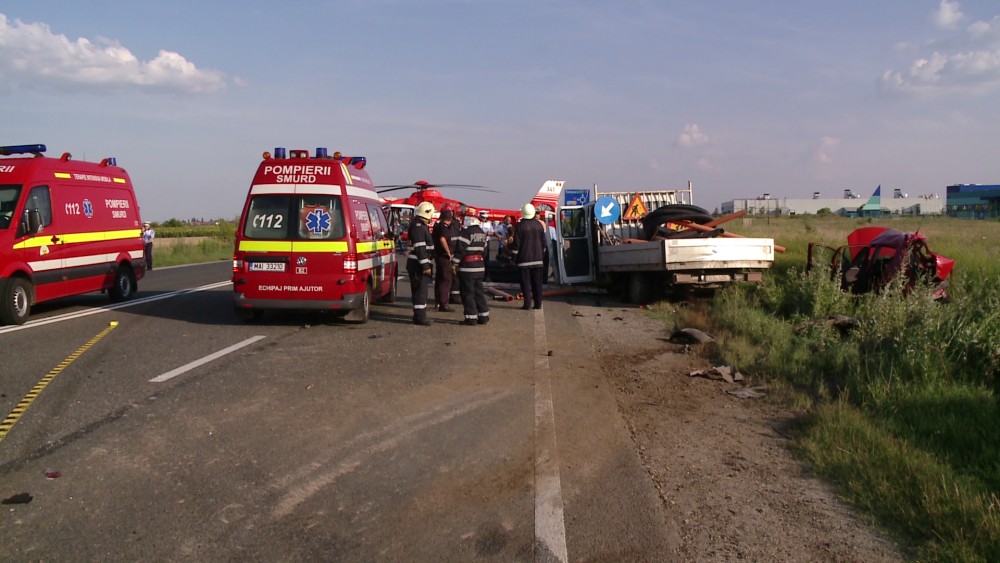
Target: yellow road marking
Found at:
x=37, y=390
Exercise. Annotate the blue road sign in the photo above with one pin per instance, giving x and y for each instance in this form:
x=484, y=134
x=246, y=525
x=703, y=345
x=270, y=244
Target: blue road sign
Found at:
x=577, y=197
x=607, y=210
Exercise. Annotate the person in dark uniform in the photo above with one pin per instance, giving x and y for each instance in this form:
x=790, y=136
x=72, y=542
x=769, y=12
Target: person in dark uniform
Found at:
x=456, y=294
x=467, y=261
x=418, y=261
x=529, y=249
x=443, y=245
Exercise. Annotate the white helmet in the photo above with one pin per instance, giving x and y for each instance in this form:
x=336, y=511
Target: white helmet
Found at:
x=528, y=211
x=425, y=211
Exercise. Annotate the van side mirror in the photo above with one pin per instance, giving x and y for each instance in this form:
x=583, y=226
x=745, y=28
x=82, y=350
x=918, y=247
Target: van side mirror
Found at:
x=380, y=234
x=32, y=222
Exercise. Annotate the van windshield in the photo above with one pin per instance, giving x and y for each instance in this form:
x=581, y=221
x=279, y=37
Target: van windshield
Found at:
x=286, y=217
x=8, y=202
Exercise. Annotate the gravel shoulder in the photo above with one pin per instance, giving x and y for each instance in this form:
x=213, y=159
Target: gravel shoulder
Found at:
x=722, y=466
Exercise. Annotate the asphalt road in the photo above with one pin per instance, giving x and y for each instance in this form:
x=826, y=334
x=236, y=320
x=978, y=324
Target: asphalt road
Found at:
x=320, y=441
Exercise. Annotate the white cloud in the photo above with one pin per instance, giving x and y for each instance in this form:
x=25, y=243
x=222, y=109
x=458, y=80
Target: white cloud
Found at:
x=970, y=72
x=948, y=15
x=692, y=137
x=827, y=146
x=32, y=56
x=967, y=62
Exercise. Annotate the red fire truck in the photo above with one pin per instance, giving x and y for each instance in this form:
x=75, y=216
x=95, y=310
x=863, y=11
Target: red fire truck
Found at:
x=312, y=236
x=66, y=227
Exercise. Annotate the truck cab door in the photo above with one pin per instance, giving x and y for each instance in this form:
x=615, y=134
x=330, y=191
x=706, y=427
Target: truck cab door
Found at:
x=575, y=234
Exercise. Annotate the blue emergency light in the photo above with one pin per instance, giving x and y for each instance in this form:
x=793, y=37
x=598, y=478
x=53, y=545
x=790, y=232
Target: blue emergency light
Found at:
x=320, y=152
x=112, y=161
x=279, y=152
x=359, y=161
x=36, y=150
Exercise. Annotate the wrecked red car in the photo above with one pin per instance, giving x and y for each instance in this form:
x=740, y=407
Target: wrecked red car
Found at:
x=874, y=256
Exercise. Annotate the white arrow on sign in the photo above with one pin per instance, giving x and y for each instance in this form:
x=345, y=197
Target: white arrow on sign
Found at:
x=606, y=211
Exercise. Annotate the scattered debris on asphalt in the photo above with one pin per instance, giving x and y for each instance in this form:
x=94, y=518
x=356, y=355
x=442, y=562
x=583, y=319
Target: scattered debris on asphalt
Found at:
x=374, y=336
x=51, y=474
x=20, y=498
x=755, y=392
x=724, y=373
x=843, y=323
x=691, y=336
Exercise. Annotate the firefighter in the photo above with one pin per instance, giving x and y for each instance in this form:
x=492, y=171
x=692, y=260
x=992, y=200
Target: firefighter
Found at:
x=418, y=261
x=443, y=245
x=529, y=252
x=467, y=261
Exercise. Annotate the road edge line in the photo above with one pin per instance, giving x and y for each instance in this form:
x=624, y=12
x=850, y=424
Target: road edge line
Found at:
x=550, y=524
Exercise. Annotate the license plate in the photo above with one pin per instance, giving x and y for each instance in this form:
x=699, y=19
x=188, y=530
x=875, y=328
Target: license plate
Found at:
x=718, y=278
x=267, y=266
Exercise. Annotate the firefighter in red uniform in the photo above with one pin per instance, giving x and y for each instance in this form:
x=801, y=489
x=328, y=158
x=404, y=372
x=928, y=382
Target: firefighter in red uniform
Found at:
x=418, y=261
x=467, y=261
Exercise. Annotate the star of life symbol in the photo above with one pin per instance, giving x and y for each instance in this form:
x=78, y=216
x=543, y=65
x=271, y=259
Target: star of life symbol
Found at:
x=88, y=209
x=318, y=221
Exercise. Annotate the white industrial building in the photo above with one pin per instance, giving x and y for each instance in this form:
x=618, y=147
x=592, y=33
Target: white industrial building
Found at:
x=851, y=205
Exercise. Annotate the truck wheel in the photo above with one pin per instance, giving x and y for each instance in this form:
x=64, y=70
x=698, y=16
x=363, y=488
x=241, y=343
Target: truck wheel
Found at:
x=360, y=315
x=16, y=305
x=640, y=288
x=124, y=286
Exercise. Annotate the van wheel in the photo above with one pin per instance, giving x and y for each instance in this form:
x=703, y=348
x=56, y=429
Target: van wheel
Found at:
x=640, y=288
x=124, y=286
x=360, y=315
x=250, y=315
x=16, y=305
x=391, y=296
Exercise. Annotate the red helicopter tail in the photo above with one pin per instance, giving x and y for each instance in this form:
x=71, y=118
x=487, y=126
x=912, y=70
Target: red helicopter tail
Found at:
x=548, y=196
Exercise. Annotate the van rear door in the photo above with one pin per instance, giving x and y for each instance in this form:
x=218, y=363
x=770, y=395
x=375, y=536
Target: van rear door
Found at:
x=268, y=246
x=320, y=247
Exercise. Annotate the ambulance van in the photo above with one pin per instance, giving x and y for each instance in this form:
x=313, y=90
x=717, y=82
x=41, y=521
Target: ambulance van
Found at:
x=66, y=228
x=312, y=236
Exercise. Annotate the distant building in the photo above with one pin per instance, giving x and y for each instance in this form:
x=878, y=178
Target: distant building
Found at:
x=973, y=201
x=851, y=205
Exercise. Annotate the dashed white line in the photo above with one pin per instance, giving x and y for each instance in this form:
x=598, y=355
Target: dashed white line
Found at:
x=105, y=309
x=209, y=358
x=550, y=525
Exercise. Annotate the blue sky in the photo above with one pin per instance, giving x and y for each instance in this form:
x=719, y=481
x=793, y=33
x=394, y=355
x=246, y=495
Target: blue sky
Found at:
x=740, y=98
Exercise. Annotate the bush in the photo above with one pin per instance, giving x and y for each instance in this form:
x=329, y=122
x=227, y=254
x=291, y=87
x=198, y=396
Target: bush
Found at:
x=824, y=212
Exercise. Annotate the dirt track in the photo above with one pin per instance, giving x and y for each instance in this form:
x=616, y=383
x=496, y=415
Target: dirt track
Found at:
x=730, y=484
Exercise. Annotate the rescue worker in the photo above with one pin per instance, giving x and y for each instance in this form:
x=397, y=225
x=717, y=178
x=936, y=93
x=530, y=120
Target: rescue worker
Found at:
x=456, y=227
x=148, y=234
x=468, y=262
x=418, y=261
x=528, y=249
x=443, y=245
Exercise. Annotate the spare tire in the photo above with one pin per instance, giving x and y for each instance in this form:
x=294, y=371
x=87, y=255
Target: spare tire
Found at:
x=670, y=213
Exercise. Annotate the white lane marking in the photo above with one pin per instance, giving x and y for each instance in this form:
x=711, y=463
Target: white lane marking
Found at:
x=209, y=358
x=550, y=525
x=302, y=492
x=105, y=309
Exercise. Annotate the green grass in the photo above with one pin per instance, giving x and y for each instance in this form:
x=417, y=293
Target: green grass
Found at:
x=902, y=413
x=208, y=250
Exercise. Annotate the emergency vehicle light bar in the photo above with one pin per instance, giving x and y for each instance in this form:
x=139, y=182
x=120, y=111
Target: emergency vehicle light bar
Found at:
x=279, y=152
x=298, y=153
x=36, y=150
x=320, y=152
